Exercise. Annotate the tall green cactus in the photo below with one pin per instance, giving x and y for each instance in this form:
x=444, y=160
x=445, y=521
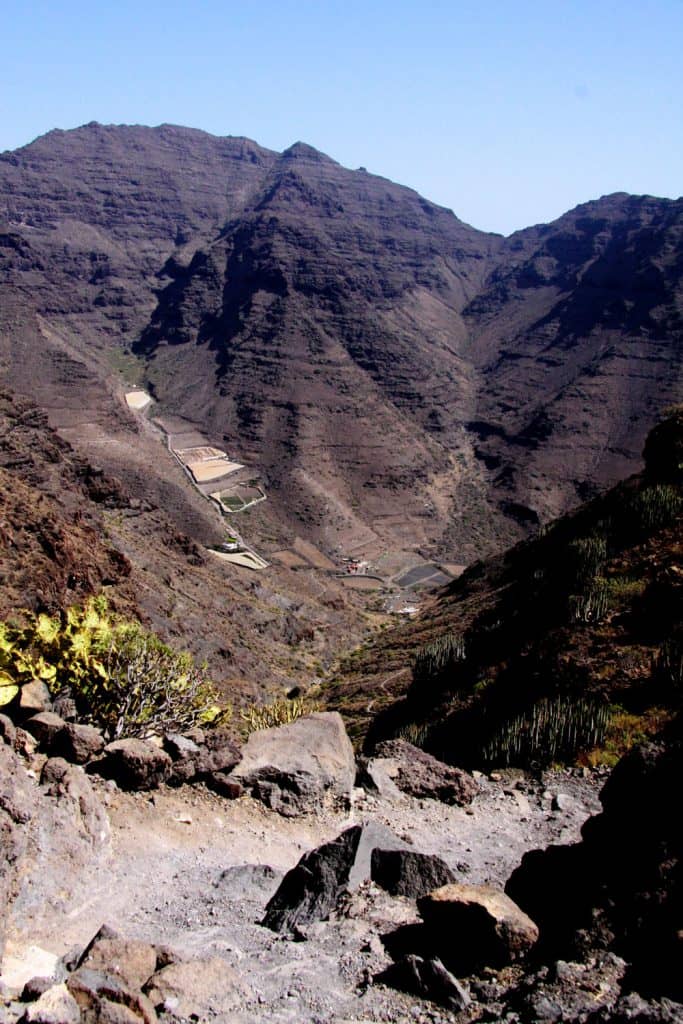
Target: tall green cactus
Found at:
x=554, y=729
x=436, y=657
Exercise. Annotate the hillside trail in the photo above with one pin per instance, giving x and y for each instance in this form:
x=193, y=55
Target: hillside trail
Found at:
x=191, y=870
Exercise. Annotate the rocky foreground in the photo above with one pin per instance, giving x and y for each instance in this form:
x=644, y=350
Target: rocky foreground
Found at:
x=291, y=884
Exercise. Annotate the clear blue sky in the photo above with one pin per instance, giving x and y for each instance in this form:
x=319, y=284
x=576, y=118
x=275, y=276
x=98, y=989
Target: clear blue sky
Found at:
x=507, y=112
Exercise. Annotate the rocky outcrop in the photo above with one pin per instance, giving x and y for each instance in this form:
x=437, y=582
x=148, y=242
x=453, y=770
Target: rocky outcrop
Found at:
x=622, y=886
x=299, y=768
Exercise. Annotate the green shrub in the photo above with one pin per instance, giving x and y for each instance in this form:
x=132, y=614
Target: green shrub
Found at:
x=122, y=678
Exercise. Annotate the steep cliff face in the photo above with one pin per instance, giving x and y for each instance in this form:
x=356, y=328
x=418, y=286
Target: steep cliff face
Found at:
x=578, y=336
x=401, y=379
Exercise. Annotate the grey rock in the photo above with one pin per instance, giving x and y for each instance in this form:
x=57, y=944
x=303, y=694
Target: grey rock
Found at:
x=408, y=873
x=133, y=764
x=563, y=802
x=248, y=880
x=71, y=786
x=180, y=748
x=301, y=767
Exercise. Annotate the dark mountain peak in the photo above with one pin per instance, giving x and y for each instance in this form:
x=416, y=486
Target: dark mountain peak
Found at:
x=302, y=151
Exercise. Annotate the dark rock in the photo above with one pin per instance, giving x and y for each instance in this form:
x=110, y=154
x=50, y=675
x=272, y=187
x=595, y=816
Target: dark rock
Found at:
x=231, y=789
x=78, y=743
x=428, y=979
x=133, y=764
x=476, y=926
x=423, y=776
x=621, y=888
x=301, y=767
x=407, y=873
x=311, y=890
x=44, y=727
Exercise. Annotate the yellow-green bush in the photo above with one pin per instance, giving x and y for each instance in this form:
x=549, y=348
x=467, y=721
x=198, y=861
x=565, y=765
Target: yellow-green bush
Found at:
x=121, y=677
x=279, y=712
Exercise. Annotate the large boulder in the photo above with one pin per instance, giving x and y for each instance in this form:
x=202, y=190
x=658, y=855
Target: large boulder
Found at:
x=301, y=767
x=311, y=890
x=133, y=764
x=420, y=775
x=476, y=926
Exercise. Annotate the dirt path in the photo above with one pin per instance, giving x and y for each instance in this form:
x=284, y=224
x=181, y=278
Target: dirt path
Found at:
x=163, y=881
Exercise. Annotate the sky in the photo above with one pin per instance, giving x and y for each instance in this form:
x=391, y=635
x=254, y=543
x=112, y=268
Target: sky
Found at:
x=509, y=113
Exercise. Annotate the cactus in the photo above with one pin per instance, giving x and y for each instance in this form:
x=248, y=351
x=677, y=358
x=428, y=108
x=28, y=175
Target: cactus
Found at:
x=554, y=729
x=670, y=661
x=655, y=507
x=593, y=605
x=434, y=658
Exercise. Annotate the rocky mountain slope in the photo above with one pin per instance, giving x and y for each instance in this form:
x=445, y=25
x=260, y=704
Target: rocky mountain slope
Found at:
x=402, y=380
x=586, y=618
